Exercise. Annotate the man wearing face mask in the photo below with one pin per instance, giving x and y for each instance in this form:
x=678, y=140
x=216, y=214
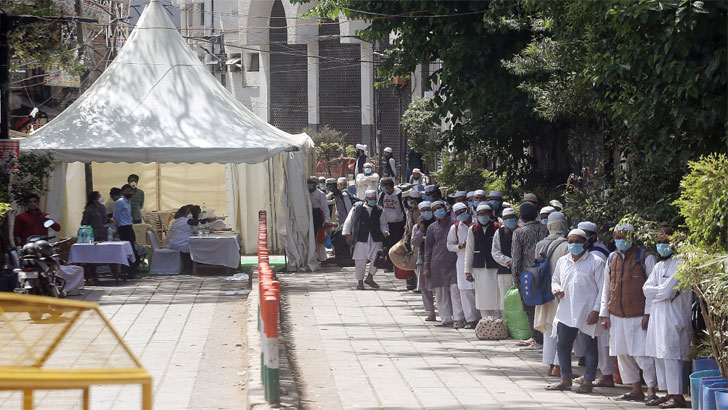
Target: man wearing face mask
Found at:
x=555, y=245
x=321, y=217
x=495, y=200
x=31, y=222
x=440, y=267
x=625, y=312
x=365, y=228
x=577, y=283
x=469, y=202
x=367, y=180
x=544, y=214
x=523, y=253
x=322, y=184
x=137, y=198
x=502, y=240
x=391, y=201
x=432, y=193
x=424, y=220
x=124, y=225
x=669, y=330
x=481, y=267
x=414, y=197
x=343, y=203
x=456, y=243
x=593, y=244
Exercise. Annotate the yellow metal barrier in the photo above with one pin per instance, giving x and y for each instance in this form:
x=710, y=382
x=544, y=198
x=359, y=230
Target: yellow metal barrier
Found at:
x=49, y=346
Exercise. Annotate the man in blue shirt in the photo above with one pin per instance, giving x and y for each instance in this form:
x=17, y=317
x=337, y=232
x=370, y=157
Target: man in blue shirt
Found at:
x=124, y=225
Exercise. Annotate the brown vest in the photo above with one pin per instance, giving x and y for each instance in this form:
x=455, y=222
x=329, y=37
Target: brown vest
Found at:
x=626, y=277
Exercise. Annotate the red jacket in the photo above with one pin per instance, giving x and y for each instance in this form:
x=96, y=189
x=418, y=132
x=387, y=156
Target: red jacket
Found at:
x=30, y=223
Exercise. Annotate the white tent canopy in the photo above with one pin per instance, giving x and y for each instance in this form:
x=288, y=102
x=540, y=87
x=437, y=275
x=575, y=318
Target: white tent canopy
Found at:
x=157, y=102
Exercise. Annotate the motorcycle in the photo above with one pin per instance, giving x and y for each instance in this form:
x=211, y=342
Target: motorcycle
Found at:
x=39, y=265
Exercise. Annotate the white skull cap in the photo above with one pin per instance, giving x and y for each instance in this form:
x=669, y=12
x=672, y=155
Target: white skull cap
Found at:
x=587, y=226
x=509, y=211
x=578, y=232
x=483, y=207
x=424, y=204
x=458, y=206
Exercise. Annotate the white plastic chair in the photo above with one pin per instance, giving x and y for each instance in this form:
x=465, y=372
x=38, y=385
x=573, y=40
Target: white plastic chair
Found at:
x=165, y=261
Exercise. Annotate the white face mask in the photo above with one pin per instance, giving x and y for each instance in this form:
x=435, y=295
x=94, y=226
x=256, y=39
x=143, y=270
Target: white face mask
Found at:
x=133, y=184
x=101, y=200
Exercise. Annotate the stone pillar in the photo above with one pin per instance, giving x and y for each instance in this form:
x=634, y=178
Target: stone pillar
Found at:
x=313, y=86
x=367, y=94
x=264, y=82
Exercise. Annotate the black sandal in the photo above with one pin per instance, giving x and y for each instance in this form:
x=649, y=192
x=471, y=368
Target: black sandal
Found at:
x=629, y=397
x=656, y=401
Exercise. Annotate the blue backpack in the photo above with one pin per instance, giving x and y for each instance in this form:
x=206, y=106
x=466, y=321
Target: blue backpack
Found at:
x=536, y=280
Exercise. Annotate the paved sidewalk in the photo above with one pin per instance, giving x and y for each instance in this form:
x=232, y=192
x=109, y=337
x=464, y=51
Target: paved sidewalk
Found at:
x=187, y=333
x=373, y=349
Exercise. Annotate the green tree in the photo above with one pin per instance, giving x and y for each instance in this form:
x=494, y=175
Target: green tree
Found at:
x=704, y=265
x=40, y=44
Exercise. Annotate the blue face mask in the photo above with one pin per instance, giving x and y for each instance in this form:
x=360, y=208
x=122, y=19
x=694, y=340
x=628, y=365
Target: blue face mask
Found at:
x=311, y=187
x=372, y=202
x=664, y=249
x=494, y=203
x=428, y=198
x=367, y=171
x=440, y=213
x=463, y=217
x=544, y=221
x=623, y=244
x=475, y=204
x=483, y=219
x=510, y=223
x=576, y=248
x=427, y=215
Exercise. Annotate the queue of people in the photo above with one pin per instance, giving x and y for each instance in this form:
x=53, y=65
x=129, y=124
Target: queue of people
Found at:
x=473, y=248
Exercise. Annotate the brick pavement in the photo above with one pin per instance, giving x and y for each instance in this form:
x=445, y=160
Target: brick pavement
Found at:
x=373, y=349
x=187, y=333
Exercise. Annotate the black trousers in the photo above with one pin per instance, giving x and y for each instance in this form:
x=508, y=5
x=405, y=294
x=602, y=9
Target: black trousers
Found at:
x=126, y=233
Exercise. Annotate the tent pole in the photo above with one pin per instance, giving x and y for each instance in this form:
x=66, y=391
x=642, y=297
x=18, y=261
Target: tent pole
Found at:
x=158, y=179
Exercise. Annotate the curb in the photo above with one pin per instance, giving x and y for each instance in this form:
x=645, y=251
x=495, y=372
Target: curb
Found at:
x=256, y=393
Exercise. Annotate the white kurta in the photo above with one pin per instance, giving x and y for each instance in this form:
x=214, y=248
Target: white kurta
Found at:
x=581, y=281
x=669, y=330
x=626, y=336
x=365, y=183
x=454, y=240
x=364, y=250
x=318, y=200
x=490, y=287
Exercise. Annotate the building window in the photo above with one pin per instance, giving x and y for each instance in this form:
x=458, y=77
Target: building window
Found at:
x=253, y=62
x=202, y=14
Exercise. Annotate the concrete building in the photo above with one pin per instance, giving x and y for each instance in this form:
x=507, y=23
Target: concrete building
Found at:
x=299, y=73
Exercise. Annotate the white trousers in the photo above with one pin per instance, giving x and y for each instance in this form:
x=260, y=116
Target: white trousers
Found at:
x=629, y=369
x=550, y=355
x=669, y=375
x=495, y=313
x=449, y=305
x=606, y=362
x=360, y=267
x=321, y=252
x=467, y=298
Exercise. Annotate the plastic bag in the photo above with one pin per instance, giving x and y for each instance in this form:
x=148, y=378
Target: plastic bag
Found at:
x=516, y=319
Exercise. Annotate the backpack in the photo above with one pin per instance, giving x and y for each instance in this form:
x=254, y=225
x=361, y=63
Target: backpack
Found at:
x=536, y=280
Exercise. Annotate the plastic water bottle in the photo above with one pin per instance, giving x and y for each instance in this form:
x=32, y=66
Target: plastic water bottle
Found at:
x=205, y=228
x=110, y=233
